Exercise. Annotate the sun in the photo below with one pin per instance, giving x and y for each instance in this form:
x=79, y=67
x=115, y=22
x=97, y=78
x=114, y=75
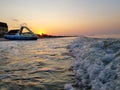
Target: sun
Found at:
x=41, y=31
x=42, y=34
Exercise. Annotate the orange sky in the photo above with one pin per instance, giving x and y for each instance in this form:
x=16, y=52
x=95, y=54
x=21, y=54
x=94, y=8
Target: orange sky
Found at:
x=63, y=17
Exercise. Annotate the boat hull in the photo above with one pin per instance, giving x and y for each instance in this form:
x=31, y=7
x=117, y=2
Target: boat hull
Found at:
x=15, y=37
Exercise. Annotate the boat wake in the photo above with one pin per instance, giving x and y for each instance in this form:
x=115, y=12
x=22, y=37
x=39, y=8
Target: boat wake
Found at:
x=97, y=65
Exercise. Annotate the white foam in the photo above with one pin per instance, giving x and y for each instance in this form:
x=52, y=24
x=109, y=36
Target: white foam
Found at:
x=97, y=65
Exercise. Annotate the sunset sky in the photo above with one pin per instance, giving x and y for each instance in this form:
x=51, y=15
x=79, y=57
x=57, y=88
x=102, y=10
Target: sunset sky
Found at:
x=63, y=17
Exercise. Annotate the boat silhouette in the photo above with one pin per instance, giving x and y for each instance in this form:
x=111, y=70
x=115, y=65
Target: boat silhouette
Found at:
x=20, y=35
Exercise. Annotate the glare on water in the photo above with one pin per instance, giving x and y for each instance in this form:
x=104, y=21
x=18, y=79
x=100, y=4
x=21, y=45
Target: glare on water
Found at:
x=32, y=65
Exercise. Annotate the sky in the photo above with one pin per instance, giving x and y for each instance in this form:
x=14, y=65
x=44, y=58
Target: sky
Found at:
x=63, y=17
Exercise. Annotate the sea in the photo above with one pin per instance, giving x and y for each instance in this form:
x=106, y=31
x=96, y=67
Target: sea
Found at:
x=43, y=64
x=97, y=62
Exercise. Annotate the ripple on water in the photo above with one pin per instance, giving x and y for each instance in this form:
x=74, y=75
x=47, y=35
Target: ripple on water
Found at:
x=35, y=65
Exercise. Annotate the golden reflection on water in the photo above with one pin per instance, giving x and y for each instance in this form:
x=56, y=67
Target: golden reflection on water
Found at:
x=38, y=64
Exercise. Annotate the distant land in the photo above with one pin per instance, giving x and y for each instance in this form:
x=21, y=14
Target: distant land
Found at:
x=52, y=36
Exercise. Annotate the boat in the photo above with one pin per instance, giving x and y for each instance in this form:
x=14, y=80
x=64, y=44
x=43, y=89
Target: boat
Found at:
x=21, y=35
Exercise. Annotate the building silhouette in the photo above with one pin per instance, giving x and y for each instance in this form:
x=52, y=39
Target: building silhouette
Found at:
x=3, y=28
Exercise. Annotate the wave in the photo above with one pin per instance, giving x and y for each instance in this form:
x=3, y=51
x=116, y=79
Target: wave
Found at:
x=97, y=64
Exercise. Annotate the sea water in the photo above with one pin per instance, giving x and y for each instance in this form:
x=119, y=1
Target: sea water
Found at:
x=35, y=65
x=97, y=64
x=105, y=36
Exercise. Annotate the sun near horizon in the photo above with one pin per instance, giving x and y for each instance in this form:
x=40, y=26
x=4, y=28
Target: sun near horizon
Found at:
x=40, y=31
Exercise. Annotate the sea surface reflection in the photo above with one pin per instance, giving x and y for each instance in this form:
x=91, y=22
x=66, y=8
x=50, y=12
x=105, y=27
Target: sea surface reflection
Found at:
x=35, y=65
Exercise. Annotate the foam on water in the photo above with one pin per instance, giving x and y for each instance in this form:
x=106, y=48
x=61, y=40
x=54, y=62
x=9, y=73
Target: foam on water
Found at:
x=97, y=65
